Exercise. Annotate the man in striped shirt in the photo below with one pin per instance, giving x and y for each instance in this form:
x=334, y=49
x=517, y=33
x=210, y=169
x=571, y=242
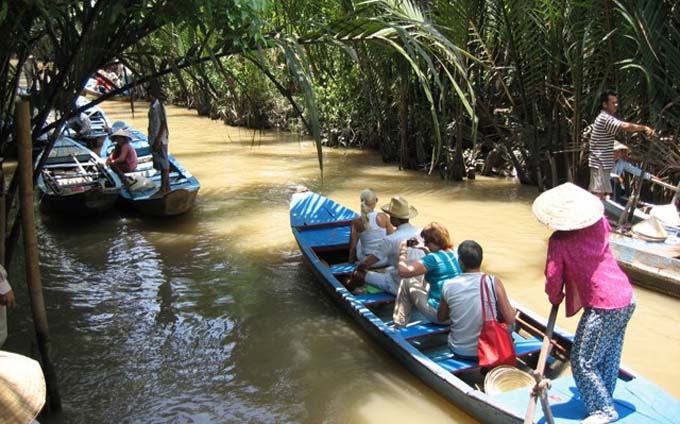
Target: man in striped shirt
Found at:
x=601, y=159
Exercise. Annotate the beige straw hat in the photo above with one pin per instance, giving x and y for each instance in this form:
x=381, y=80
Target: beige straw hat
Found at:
x=620, y=146
x=399, y=208
x=650, y=229
x=668, y=214
x=22, y=388
x=567, y=207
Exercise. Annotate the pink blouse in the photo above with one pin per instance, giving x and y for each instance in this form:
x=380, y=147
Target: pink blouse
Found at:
x=582, y=260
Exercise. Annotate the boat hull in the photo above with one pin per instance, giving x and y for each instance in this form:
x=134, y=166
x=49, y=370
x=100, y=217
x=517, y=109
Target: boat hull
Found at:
x=648, y=264
x=176, y=202
x=91, y=202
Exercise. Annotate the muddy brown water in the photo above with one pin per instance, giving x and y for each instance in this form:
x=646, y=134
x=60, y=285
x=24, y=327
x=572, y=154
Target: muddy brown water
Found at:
x=214, y=317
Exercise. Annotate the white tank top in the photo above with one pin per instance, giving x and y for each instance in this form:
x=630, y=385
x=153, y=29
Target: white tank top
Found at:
x=371, y=237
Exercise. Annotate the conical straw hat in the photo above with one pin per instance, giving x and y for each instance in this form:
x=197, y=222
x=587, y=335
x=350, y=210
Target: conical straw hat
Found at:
x=22, y=388
x=668, y=214
x=650, y=229
x=567, y=207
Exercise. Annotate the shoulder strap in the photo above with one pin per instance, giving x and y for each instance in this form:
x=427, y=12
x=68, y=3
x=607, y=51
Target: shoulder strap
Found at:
x=483, y=295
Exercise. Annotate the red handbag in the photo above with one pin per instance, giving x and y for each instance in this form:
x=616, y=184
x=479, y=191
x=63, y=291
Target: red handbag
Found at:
x=495, y=342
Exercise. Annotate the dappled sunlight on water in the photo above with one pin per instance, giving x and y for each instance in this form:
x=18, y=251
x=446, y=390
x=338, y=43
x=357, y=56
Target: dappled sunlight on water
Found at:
x=214, y=317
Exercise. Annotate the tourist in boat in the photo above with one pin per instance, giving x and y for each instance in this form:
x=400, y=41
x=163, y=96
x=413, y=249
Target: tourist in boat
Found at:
x=622, y=165
x=581, y=269
x=369, y=229
x=159, y=136
x=438, y=265
x=400, y=213
x=605, y=127
x=461, y=302
x=123, y=159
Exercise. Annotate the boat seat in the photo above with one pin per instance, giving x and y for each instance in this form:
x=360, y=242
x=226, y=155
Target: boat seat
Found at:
x=369, y=299
x=523, y=347
x=342, y=268
x=418, y=329
x=325, y=237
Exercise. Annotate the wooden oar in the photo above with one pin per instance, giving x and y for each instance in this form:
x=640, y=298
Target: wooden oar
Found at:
x=538, y=374
x=664, y=184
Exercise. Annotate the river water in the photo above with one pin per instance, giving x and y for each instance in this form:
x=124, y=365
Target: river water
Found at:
x=214, y=317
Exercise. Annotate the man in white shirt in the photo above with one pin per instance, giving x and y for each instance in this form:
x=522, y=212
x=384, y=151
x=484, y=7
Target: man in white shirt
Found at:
x=6, y=299
x=400, y=213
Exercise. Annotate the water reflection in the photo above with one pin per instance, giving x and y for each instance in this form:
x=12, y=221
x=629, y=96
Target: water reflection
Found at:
x=214, y=317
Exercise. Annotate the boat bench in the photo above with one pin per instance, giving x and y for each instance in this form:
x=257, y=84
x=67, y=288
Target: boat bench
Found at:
x=523, y=347
x=325, y=237
x=419, y=329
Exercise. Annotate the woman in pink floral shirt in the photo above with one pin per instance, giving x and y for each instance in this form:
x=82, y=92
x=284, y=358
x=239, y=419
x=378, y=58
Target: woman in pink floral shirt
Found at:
x=580, y=266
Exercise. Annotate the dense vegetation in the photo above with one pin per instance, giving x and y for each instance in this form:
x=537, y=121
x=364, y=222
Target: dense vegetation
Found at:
x=431, y=84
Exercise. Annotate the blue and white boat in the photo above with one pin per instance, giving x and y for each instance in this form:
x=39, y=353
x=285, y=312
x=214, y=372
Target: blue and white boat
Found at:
x=75, y=180
x=322, y=228
x=140, y=188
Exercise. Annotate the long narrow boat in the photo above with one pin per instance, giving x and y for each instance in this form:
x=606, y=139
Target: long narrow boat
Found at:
x=141, y=186
x=650, y=264
x=75, y=180
x=322, y=228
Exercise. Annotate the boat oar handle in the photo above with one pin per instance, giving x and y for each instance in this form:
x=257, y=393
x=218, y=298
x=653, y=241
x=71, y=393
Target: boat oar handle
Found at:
x=664, y=184
x=538, y=374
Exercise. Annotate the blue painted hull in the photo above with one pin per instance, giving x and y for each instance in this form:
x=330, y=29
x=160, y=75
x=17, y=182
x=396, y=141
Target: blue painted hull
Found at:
x=321, y=228
x=184, y=186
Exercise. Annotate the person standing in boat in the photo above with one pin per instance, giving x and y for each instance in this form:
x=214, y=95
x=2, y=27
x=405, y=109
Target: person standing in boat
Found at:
x=438, y=265
x=581, y=268
x=461, y=302
x=605, y=127
x=369, y=229
x=400, y=213
x=123, y=159
x=159, y=136
x=622, y=165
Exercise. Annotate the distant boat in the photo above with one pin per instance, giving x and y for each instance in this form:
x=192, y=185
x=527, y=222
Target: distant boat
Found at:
x=322, y=227
x=140, y=187
x=75, y=180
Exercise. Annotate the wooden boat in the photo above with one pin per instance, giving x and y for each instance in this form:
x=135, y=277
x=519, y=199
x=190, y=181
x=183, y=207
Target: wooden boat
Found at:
x=75, y=180
x=651, y=264
x=322, y=227
x=140, y=187
x=613, y=212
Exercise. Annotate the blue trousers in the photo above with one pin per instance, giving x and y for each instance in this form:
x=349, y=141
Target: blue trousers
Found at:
x=596, y=356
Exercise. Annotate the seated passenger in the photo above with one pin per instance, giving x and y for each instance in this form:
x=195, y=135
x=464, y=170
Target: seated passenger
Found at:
x=123, y=159
x=438, y=265
x=369, y=229
x=461, y=302
x=387, y=252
